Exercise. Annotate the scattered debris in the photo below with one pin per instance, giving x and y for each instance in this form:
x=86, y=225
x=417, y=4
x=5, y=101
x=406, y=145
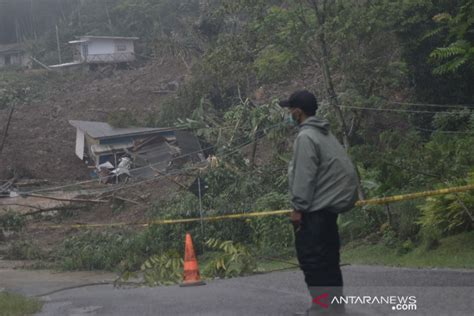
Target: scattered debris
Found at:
x=139, y=152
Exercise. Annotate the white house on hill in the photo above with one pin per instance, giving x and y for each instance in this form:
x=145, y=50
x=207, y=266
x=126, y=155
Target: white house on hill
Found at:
x=102, y=50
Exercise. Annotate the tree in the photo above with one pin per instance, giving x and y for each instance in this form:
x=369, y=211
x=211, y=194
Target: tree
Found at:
x=459, y=50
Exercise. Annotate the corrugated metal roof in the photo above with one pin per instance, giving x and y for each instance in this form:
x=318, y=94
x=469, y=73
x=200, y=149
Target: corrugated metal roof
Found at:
x=9, y=48
x=101, y=149
x=78, y=41
x=101, y=130
x=109, y=37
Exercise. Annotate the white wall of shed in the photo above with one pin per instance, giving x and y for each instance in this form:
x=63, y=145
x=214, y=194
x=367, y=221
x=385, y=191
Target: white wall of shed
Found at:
x=80, y=144
x=130, y=47
x=101, y=46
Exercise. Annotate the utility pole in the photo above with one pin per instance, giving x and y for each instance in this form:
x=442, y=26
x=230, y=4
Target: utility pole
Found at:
x=333, y=99
x=59, y=46
x=17, y=31
x=108, y=15
x=200, y=206
x=32, y=21
x=5, y=132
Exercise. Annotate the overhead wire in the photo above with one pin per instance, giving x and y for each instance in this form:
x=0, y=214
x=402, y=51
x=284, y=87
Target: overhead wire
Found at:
x=111, y=176
x=458, y=106
x=182, y=170
x=394, y=110
x=443, y=132
x=264, y=130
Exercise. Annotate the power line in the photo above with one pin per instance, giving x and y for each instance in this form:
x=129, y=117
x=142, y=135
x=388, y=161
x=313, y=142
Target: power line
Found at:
x=180, y=171
x=441, y=131
x=135, y=169
x=154, y=164
x=394, y=110
x=432, y=105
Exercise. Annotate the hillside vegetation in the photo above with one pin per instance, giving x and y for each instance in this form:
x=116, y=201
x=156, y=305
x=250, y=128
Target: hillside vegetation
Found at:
x=394, y=78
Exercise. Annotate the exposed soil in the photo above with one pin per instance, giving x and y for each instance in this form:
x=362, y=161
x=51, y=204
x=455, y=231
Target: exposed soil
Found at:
x=41, y=142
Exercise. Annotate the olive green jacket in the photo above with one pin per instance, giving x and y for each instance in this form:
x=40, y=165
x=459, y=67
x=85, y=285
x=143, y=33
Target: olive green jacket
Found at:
x=321, y=174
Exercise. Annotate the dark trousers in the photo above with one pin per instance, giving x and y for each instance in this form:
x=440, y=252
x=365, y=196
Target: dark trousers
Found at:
x=317, y=248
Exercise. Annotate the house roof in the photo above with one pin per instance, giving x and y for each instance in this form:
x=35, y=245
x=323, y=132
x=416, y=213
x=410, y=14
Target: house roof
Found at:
x=103, y=149
x=11, y=48
x=102, y=130
x=78, y=41
x=84, y=38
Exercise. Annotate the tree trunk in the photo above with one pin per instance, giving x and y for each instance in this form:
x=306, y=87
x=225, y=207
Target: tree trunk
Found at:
x=254, y=147
x=5, y=132
x=333, y=99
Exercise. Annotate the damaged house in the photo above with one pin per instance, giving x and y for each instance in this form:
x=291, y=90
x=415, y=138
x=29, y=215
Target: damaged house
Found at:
x=151, y=150
x=14, y=55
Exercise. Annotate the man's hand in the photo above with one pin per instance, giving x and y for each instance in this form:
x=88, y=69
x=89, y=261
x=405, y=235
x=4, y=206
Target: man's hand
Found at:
x=295, y=218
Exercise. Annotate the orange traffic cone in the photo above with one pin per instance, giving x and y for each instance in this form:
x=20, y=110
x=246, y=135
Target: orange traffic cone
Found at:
x=191, y=268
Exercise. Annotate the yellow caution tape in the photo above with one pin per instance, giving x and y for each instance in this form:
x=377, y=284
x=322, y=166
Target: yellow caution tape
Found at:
x=379, y=201
x=174, y=221
x=412, y=196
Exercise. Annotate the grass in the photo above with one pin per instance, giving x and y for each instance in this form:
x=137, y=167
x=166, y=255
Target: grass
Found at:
x=15, y=304
x=453, y=252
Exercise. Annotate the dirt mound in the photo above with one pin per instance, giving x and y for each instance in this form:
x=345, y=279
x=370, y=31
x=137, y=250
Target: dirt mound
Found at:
x=41, y=142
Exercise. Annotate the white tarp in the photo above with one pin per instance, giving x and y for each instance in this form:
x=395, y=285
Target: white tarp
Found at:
x=80, y=144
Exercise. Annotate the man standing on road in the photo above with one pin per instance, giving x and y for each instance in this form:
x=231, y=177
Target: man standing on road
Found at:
x=323, y=183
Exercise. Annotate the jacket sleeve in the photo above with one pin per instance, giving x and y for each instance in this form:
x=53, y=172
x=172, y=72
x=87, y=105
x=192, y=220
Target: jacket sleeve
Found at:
x=305, y=167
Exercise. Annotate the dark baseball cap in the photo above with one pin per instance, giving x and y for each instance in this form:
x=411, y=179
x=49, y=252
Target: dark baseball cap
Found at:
x=302, y=99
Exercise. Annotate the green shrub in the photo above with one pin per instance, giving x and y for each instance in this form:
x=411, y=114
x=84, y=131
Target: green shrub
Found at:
x=405, y=219
x=23, y=250
x=163, y=269
x=12, y=304
x=273, y=65
x=272, y=201
x=360, y=222
x=430, y=237
x=11, y=221
x=98, y=251
x=232, y=259
x=450, y=213
x=390, y=239
x=405, y=247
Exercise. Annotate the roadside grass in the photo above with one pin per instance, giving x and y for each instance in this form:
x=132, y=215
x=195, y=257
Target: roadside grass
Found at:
x=453, y=252
x=17, y=305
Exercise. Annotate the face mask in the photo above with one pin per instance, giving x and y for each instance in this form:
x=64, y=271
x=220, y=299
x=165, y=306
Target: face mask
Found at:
x=291, y=120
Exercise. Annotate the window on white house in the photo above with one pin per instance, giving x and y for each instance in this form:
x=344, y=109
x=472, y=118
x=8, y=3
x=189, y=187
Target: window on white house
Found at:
x=121, y=47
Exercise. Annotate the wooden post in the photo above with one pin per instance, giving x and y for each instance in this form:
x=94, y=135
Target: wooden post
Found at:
x=5, y=132
x=389, y=215
x=333, y=99
x=59, y=46
x=116, y=166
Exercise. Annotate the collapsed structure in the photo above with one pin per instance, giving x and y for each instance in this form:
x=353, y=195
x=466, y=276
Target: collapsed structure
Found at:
x=151, y=151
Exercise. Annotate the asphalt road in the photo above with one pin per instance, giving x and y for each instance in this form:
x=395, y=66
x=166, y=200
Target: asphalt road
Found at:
x=437, y=292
